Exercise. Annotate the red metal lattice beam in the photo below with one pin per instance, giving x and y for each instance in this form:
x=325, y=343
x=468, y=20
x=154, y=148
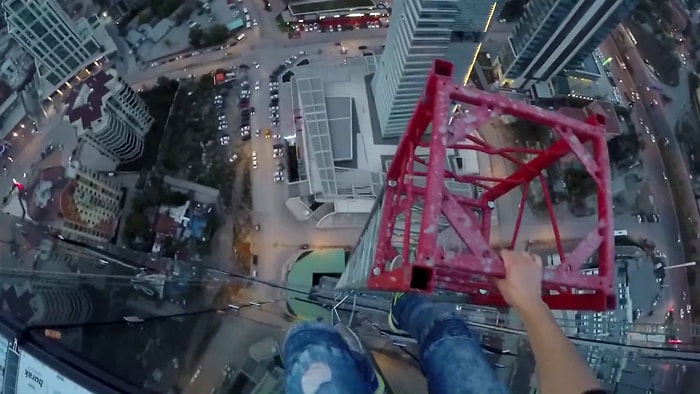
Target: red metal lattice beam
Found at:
x=417, y=205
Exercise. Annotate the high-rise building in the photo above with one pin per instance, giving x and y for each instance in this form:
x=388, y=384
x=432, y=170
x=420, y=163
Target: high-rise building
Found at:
x=76, y=202
x=109, y=117
x=419, y=32
x=60, y=47
x=555, y=34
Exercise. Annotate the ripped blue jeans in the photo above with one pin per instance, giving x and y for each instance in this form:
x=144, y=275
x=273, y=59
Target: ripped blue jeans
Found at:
x=319, y=361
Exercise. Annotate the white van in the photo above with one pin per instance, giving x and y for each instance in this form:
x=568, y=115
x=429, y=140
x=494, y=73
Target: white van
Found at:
x=620, y=233
x=241, y=37
x=247, y=17
x=247, y=25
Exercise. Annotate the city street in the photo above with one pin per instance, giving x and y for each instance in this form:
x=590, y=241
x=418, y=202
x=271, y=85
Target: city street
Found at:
x=667, y=240
x=52, y=130
x=252, y=48
x=281, y=235
x=661, y=119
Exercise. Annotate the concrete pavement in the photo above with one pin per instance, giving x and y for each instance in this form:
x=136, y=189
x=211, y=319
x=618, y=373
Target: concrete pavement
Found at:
x=252, y=47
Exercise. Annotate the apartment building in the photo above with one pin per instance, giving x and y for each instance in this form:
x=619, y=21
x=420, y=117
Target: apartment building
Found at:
x=60, y=47
x=419, y=32
x=109, y=117
x=554, y=35
x=76, y=202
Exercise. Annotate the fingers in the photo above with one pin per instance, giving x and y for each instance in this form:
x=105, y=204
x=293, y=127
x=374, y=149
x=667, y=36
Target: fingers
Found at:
x=511, y=257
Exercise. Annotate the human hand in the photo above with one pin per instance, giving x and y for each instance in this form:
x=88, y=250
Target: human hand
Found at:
x=522, y=286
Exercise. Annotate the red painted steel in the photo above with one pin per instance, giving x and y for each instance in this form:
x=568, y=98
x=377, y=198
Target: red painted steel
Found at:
x=419, y=211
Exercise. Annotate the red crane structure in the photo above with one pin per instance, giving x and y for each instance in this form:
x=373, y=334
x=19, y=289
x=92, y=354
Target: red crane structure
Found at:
x=431, y=229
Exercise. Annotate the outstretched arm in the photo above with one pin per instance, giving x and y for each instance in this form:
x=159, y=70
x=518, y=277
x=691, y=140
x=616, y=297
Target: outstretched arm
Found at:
x=559, y=368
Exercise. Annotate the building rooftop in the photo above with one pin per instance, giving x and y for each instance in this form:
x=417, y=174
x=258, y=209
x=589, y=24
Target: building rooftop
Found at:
x=44, y=196
x=51, y=197
x=612, y=124
x=337, y=127
x=339, y=112
x=309, y=267
x=84, y=104
x=605, y=108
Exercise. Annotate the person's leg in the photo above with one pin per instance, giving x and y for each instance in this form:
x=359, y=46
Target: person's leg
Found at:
x=318, y=360
x=450, y=357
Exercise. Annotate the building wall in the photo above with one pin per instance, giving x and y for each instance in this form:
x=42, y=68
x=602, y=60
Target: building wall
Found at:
x=95, y=210
x=421, y=31
x=45, y=31
x=554, y=34
x=119, y=134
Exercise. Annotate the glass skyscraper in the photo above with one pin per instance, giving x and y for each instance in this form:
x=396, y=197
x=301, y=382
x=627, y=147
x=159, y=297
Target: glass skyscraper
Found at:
x=421, y=31
x=47, y=32
x=555, y=34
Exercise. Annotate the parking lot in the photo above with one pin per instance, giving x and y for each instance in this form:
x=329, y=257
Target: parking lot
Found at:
x=216, y=12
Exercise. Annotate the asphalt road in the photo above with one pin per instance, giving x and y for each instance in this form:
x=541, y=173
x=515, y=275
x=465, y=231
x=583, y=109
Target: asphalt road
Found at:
x=27, y=151
x=676, y=293
x=656, y=118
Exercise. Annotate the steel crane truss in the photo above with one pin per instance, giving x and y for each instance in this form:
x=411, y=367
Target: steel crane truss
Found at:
x=424, y=200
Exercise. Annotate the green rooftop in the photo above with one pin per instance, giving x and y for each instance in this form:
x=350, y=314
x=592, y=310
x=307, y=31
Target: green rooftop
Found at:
x=305, y=273
x=236, y=24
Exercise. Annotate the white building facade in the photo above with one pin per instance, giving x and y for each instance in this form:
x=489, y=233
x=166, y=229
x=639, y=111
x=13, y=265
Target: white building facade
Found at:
x=45, y=30
x=109, y=117
x=421, y=31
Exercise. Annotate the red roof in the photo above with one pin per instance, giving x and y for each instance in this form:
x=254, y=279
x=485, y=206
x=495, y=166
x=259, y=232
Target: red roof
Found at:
x=50, y=198
x=165, y=225
x=87, y=110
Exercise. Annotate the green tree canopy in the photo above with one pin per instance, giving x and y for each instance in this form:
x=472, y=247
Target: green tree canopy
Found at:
x=579, y=183
x=136, y=225
x=196, y=37
x=174, y=199
x=217, y=34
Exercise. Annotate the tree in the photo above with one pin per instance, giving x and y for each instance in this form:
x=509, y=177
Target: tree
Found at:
x=136, y=225
x=217, y=34
x=167, y=7
x=196, y=37
x=144, y=17
x=624, y=149
x=174, y=199
x=163, y=81
x=529, y=131
x=169, y=247
x=183, y=14
x=579, y=183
